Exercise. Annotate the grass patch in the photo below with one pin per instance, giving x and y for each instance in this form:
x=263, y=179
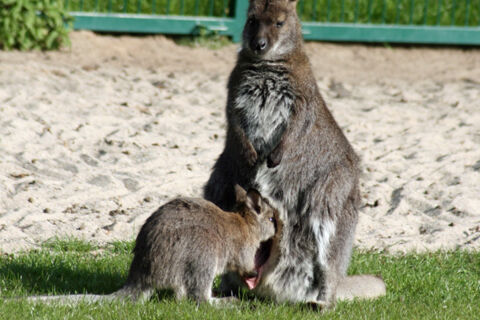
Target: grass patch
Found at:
x=437, y=285
x=204, y=39
x=403, y=12
x=445, y=12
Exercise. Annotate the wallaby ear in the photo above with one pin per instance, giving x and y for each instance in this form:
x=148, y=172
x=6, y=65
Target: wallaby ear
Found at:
x=254, y=200
x=240, y=194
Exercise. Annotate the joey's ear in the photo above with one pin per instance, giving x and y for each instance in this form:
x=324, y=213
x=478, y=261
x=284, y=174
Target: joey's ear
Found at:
x=240, y=194
x=254, y=200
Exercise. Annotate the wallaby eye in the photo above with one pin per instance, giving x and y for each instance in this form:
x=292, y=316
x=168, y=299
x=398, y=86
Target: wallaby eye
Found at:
x=280, y=24
x=271, y=219
x=251, y=20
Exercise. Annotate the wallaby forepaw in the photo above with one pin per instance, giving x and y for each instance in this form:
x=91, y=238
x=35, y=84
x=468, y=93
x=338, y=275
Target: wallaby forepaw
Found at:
x=272, y=163
x=274, y=158
x=251, y=156
x=317, y=306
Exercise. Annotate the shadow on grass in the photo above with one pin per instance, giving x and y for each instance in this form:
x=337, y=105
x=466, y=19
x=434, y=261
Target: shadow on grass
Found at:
x=59, y=279
x=26, y=279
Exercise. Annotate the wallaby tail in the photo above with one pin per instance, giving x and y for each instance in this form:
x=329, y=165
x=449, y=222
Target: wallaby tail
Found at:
x=361, y=287
x=125, y=293
x=70, y=298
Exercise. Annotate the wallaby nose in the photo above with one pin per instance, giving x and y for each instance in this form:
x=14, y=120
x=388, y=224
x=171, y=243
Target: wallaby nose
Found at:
x=261, y=44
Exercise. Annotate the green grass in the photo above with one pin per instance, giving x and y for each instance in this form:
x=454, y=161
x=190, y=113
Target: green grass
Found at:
x=203, y=38
x=404, y=12
x=216, y=8
x=418, y=12
x=438, y=285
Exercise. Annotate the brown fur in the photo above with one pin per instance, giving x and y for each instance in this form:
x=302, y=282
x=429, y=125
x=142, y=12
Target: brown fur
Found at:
x=187, y=242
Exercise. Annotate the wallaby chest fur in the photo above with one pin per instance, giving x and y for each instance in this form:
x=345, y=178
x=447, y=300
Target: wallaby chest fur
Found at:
x=282, y=140
x=262, y=101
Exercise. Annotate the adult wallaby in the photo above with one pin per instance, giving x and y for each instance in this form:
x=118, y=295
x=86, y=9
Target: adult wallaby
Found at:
x=282, y=140
x=187, y=242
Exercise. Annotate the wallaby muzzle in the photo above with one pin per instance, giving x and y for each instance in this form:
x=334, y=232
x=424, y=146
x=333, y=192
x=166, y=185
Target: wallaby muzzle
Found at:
x=259, y=43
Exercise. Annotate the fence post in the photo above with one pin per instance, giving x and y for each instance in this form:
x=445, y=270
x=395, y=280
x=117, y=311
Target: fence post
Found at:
x=241, y=7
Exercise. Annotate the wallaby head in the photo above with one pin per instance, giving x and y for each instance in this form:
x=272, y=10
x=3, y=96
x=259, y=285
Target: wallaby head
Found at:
x=272, y=30
x=257, y=211
x=262, y=217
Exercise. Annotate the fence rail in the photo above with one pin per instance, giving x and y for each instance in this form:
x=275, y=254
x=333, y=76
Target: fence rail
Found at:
x=404, y=21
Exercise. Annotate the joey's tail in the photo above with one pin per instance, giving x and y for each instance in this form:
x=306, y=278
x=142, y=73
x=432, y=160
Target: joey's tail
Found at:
x=69, y=298
x=361, y=287
x=125, y=293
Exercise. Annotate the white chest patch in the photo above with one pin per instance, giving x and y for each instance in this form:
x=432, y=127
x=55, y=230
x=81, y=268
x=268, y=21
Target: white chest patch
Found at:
x=264, y=103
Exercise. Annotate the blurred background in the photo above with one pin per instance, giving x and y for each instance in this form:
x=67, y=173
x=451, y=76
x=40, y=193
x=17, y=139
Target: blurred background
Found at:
x=394, y=21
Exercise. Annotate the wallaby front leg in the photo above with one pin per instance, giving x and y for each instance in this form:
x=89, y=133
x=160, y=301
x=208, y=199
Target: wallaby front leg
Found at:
x=247, y=151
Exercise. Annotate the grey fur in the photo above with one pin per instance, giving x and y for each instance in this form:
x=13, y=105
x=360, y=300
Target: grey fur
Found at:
x=282, y=140
x=187, y=242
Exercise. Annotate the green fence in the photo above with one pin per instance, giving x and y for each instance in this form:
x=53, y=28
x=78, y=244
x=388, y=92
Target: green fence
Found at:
x=407, y=21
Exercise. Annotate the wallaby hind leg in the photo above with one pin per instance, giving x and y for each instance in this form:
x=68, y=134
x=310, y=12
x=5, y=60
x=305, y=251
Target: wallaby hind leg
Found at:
x=198, y=278
x=200, y=294
x=180, y=292
x=331, y=282
x=340, y=251
x=134, y=293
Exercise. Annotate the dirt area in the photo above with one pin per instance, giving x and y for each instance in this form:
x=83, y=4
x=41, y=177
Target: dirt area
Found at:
x=94, y=138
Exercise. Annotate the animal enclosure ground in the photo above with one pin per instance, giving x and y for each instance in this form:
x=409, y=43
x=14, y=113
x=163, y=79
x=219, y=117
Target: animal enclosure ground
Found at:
x=94, y=138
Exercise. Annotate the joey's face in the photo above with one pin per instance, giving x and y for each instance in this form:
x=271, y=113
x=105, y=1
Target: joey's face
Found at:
x=257, y=210
x=267, y=220
x=272, y=28
x=262, y=217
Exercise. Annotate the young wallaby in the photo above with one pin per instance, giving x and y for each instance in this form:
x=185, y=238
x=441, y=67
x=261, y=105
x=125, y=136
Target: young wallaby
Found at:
x=282, y=140
x=187, y=242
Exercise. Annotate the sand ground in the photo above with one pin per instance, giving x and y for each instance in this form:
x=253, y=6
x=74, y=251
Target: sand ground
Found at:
x=94, y=138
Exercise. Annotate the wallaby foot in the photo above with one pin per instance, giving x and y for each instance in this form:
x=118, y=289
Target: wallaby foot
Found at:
x=317, y=306
x=133, y=293
x=224, y=301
